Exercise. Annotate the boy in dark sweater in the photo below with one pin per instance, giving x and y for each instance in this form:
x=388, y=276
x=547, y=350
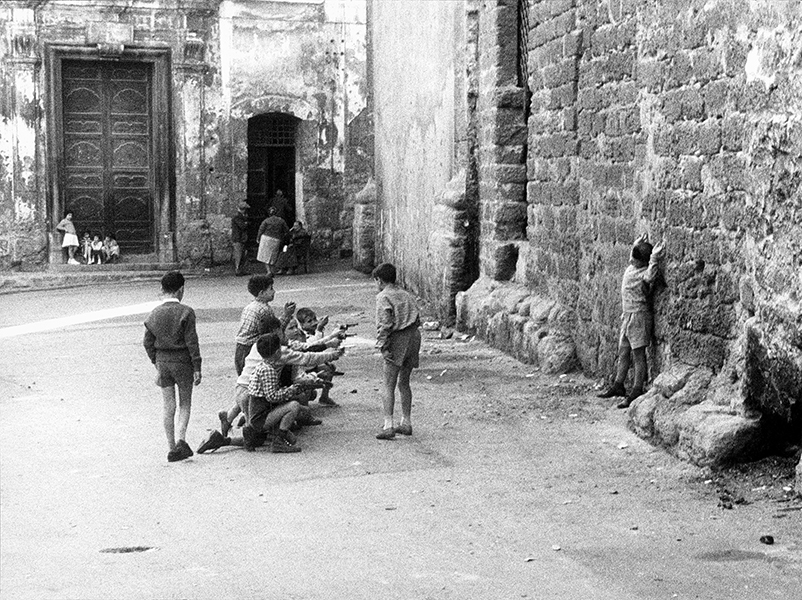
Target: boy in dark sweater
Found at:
x=172, y=345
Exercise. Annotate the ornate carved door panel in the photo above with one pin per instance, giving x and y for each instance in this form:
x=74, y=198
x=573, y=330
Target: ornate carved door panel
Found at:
x=108, y=179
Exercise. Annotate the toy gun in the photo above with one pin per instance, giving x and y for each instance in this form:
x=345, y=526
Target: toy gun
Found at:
x=344, y=330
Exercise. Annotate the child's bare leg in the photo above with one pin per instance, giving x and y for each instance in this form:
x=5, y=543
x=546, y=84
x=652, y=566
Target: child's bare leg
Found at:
x=233, y=412
x=168, y=394
x=405, y=391
x=624, y=359
x=184, y=408
x=639, y=363
x=391, y=372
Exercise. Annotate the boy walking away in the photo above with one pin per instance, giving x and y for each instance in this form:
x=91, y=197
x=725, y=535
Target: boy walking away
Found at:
x=398, y=338
x=172, y=345
x=637, y=320
x=70, y=241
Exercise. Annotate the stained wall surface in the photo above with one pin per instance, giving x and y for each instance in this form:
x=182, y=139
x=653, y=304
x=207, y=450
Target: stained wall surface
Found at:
x=420, y=102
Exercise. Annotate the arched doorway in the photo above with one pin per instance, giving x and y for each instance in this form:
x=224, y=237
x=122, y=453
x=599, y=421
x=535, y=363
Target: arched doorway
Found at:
x=271, y=164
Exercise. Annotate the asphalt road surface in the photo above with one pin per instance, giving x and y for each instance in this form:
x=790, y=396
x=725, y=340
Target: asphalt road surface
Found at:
x=514, y=484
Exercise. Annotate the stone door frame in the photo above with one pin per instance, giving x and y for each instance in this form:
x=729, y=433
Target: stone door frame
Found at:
x=163, y=148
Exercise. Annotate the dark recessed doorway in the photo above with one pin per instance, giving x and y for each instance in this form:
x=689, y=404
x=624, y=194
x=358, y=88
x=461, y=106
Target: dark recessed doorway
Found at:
x=271, y=165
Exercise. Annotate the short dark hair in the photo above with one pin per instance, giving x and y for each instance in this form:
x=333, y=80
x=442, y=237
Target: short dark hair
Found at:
x=268, y=344
x=305, y=313
x=259, y=283
x=385, y=272
x=271, y=323
x=642, y=251
x=172, y=282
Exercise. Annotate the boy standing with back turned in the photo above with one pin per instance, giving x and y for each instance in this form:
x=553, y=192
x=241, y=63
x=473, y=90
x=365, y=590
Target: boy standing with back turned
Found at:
x=172, y=345
x=637, y=320
x=398, y=338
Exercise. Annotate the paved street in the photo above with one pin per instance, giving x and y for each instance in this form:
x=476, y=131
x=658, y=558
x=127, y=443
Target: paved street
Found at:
x=514, y=485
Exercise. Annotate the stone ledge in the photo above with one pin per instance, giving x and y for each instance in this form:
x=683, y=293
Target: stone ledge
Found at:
x=512, y=318
x=677, y=415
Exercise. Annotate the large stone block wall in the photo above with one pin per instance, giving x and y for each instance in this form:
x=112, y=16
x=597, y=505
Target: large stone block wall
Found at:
x=680, y=120
x=229, y=61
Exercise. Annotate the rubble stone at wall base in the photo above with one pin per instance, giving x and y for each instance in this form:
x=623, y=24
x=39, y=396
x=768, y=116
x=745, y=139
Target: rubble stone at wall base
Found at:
x=512, y=318
x=677, y=414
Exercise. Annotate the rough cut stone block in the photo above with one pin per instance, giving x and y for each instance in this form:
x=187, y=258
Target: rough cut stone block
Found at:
x=556, y=354
x=711, y=436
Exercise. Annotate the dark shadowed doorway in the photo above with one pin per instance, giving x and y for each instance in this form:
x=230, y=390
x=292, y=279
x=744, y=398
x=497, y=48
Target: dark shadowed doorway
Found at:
x=271, y=165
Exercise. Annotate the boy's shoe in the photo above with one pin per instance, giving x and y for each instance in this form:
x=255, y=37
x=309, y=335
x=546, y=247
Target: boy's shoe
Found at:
x=635, y=393
x=72, y=261
x=184, y=449
x=386, y=434
x=281, y=446
x=225, y=426
x=180, y=452
x=613, y=391
x=308, y=420
x=327, y=401
x=249, y=438
x=404, y=429
x=212, y=442
x=287, y=436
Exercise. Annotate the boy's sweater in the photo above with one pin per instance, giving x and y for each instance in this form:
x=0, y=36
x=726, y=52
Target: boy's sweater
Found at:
x=288, y=357
x=635, y=287
x=170, y=334
x=396, y=309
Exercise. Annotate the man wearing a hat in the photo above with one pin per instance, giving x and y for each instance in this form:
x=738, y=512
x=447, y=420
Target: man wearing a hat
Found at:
x=239, y=235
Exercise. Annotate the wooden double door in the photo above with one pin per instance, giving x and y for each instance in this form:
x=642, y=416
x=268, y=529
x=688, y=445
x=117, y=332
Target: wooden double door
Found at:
x=107, y=170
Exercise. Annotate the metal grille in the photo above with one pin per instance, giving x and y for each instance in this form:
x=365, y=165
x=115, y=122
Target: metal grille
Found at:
x=523, y=43
x=273, y=131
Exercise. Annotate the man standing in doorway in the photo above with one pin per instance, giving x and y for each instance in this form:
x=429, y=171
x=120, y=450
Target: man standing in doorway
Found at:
x=239, y=235
x=282, y=206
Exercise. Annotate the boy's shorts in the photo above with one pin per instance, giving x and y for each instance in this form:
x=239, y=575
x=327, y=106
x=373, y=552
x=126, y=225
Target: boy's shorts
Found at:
x=171, y=373
x=636, y=328
x=403, y=348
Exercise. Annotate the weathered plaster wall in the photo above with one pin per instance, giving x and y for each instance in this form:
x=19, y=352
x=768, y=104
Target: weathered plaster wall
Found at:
x=230, y=60
x=23, y=225
x=683, y=120
x=420, y=113
x=308, y=60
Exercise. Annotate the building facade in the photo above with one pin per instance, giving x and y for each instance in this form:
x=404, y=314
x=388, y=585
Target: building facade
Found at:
x=152, y=119
x=529, y=142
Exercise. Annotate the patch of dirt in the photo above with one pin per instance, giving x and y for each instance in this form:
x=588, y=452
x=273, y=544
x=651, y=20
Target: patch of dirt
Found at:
x=770, y=480
x=502, y=388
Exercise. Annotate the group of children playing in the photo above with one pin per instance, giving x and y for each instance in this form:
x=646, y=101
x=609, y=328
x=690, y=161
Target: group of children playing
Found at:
x=95, y=251
x=282, y=363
